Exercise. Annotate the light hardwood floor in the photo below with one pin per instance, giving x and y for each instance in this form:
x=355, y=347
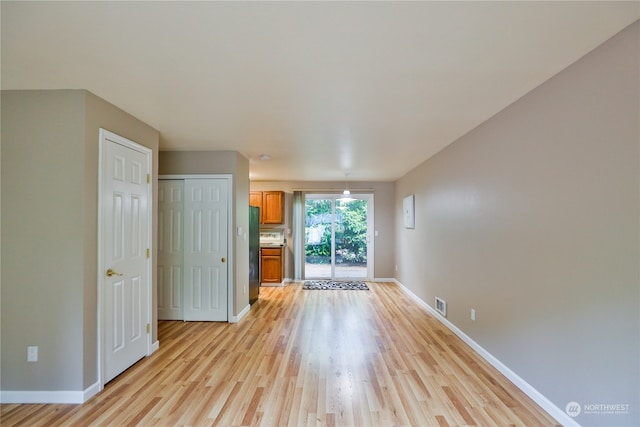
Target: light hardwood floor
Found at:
x=357, y=358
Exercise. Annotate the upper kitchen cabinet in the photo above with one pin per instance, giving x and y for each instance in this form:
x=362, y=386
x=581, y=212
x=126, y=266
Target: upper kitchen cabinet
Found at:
x=271, y=204
x=255, y=199
x=272, y=207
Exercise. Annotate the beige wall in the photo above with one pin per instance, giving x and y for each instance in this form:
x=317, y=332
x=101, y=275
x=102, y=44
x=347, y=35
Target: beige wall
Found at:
x=42, y=214
x=241, y=206
x=49, y=185
x=0, y=240
x=222, y=162
x=383, y=194
x=533, y=220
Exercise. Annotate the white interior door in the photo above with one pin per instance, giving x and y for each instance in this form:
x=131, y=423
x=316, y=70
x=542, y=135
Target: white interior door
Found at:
x=125, y=216
x=205, y=249
x=170, y=248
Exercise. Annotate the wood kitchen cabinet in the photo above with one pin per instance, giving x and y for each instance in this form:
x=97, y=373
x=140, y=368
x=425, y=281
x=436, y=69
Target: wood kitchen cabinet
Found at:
x=255, y=199
x=271, y=204
x=272, y=265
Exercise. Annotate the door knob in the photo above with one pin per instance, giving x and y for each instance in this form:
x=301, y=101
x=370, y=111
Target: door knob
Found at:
x=224, y=259
x=111, y=273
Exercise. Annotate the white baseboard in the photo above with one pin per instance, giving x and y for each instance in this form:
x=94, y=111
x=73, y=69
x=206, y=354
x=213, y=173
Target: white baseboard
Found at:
x=382, y=279
x=524, y=386
x=91, y=391
x=61, y=396
x=155, y=347
x=244, y=312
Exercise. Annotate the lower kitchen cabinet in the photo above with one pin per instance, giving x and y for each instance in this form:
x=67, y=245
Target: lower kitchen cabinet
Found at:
x=272, y=265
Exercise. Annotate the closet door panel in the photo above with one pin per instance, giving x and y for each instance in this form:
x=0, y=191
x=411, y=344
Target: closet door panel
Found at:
x=170, y=249
x=205, y=253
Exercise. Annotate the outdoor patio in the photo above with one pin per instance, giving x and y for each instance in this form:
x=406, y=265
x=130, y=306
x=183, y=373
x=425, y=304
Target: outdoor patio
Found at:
x=323, y=271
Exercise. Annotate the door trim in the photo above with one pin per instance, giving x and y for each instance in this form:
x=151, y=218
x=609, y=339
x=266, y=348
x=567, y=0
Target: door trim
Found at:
x=230, y=225
x=103, y=135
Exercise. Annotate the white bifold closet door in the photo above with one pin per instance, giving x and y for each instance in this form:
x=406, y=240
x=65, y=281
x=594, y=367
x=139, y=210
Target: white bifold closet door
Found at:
x=170, y=253
x=193, y=240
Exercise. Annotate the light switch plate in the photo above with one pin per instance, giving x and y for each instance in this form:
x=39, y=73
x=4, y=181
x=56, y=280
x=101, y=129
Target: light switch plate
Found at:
x=32, y=353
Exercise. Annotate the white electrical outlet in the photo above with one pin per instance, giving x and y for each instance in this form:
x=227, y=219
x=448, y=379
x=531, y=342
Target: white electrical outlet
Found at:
x=473, y=314
x=32, y=353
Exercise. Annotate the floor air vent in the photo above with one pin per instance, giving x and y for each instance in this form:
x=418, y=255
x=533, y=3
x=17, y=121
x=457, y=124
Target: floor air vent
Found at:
x=441, y=306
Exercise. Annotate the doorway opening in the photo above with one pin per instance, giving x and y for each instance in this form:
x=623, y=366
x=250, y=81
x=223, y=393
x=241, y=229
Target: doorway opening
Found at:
x=338, y=242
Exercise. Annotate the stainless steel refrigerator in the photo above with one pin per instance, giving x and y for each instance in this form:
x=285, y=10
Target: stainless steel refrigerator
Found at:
x=254, y=254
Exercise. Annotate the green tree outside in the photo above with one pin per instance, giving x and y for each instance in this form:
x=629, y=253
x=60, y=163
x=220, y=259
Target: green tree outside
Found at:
x=350, y=231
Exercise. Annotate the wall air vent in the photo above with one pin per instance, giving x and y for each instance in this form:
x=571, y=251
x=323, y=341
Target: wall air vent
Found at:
x=441, y=306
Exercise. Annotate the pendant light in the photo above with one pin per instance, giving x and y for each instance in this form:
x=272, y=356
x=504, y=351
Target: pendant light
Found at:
x=346, y=194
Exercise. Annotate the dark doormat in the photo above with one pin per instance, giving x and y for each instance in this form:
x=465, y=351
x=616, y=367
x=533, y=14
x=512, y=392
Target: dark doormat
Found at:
x=333, y=284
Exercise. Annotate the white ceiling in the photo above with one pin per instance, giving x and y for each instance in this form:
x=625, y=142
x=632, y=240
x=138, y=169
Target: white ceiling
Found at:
x=326, y=88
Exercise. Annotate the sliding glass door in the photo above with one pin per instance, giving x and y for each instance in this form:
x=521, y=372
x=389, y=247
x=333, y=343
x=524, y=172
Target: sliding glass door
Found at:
x=338, y=240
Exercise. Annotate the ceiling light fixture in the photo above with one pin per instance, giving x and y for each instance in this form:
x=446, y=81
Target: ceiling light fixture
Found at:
x=264, y=157
x=346, y=194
